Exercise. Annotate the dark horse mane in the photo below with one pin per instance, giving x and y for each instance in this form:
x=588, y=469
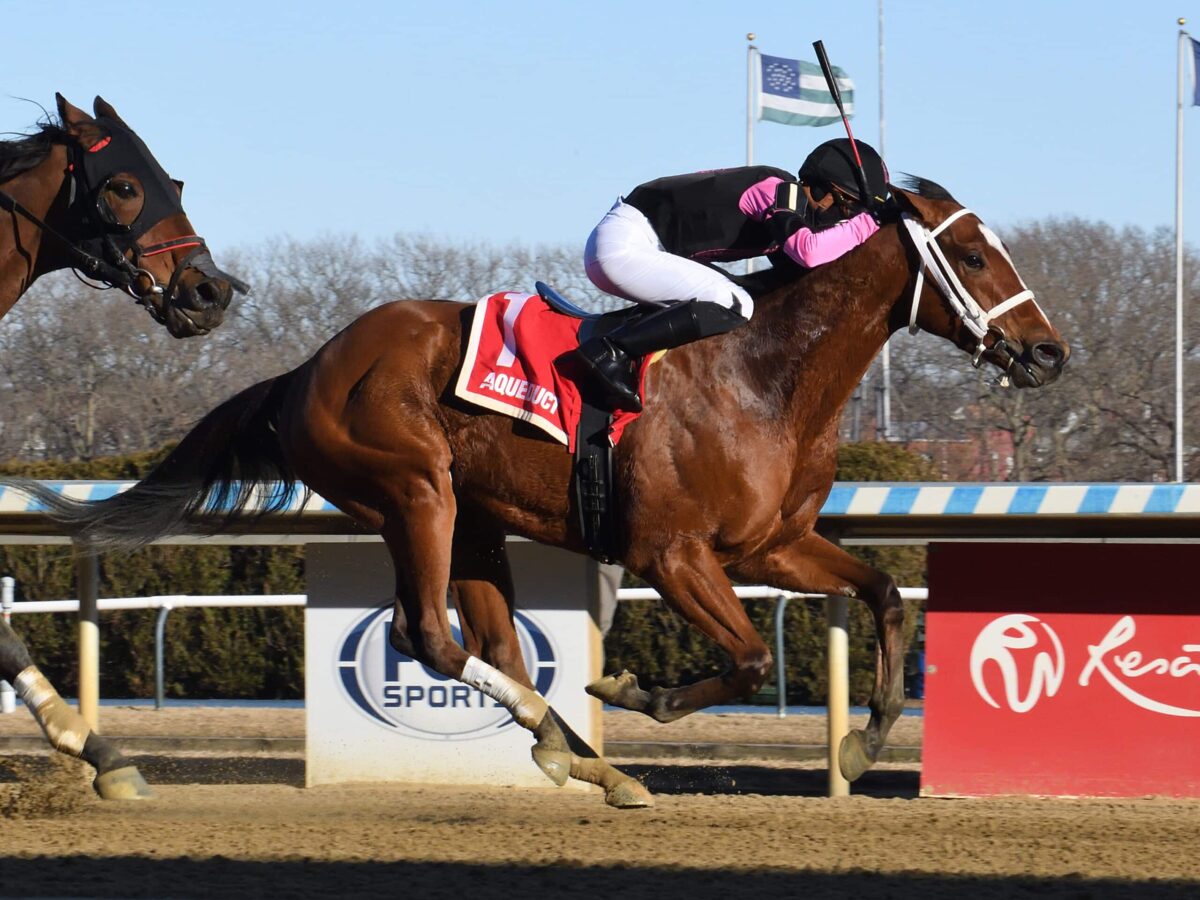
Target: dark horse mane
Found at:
x=931, y=190
x=26, y=151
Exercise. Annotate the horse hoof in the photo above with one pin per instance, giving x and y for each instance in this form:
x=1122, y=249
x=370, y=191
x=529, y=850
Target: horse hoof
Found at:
x=125, y=783
x=611, y=685
x=556, y=764
x=619, y=690
x=853, y=758
x=631, y=794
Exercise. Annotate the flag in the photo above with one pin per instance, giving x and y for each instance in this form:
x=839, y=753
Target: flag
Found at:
x=794, y=92
x=1195, y=69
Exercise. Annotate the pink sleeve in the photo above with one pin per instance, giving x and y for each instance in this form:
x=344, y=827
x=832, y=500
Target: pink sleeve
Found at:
x=813, y=248
x=759, y=198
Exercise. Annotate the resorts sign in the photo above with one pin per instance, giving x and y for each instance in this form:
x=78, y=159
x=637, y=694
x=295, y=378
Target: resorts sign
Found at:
x=1073, y=669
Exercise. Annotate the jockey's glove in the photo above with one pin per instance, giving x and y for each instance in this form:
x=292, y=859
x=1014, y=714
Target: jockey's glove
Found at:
x=884, y=211
x=783, y=224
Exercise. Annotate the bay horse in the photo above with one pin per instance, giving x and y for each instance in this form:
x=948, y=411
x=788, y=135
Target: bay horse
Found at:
x=87, y=194
x=721, y=477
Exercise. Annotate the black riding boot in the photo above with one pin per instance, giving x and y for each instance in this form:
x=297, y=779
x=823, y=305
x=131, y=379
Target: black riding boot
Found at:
x=611, y=358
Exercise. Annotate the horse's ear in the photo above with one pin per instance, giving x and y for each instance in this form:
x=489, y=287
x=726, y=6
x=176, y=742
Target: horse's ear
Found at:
x=78, y=124
x=915, y=205
x=70, y=114
x=104, y=109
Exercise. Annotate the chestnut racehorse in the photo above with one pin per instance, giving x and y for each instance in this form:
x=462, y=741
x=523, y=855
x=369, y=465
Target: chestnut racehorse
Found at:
x=722, y=477
x=87, y=194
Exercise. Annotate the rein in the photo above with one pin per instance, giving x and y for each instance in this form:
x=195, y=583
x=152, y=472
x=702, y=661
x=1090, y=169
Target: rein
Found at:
x=91, y=266
x=979, y=321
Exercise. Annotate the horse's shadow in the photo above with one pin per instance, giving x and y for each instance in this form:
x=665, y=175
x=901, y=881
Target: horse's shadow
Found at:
x=747, y=778
x=660, y=778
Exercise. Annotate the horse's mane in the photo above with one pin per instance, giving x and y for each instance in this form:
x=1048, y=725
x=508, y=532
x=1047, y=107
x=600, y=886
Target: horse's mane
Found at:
x=929, y=189
x=26, y=151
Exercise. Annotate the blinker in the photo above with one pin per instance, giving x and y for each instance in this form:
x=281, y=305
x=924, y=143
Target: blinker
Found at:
x=123, y=151
x=107, y=217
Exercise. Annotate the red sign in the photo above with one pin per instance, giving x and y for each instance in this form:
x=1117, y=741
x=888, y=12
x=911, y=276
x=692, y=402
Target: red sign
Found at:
x=1062, y=669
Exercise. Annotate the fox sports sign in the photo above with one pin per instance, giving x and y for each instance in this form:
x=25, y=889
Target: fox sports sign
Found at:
x=400, y=693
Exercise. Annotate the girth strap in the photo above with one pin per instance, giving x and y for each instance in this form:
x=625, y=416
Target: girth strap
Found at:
x=595, y=491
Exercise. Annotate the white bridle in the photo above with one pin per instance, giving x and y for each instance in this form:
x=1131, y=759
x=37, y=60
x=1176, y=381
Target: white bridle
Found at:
x=977, y=319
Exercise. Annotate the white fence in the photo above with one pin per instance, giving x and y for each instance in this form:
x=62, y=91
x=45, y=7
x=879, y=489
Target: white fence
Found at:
x=164, y=604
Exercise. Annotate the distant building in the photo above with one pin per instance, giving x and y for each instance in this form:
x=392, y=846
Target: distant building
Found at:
x=986, y=457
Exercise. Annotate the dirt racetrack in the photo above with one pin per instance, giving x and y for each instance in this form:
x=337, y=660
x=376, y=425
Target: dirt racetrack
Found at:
x=750, y=828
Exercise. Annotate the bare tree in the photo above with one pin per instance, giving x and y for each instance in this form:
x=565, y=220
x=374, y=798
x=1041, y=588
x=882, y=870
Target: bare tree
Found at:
x=421, y=266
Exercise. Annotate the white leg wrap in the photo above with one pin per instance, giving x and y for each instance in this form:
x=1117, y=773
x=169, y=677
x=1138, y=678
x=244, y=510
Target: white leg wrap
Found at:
x=64, y=728
x=527, y=706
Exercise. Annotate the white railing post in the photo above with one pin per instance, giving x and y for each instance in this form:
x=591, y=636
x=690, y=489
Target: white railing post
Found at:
x=837, y=612
x=87, y=583
x=160, y=628
x=8, y=696
x=781, y=603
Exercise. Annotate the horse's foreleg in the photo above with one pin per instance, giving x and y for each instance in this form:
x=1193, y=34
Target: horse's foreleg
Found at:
x=483, y=593
x=65, y=729
x=815, y=565
x=691, y=580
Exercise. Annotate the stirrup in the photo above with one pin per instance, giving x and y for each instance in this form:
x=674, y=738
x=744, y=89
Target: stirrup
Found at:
x=611, y=370
x=619, y=396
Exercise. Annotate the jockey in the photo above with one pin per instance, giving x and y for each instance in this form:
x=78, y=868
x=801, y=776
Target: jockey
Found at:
x=653, y=245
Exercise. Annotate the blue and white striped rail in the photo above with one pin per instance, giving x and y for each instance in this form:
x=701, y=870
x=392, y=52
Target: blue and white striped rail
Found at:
x=879, y=499
x=848, y=499
x=868, y=512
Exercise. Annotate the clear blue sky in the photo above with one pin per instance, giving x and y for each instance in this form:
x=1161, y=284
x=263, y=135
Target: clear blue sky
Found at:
x=522, y=121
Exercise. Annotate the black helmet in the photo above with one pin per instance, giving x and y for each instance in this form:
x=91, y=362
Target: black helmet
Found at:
x=832, y=165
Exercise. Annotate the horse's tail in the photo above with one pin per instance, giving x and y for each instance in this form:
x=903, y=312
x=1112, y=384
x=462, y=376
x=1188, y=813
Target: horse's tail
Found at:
x=212, y=475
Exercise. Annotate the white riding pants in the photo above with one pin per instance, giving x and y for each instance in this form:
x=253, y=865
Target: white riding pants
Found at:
x=623, y=257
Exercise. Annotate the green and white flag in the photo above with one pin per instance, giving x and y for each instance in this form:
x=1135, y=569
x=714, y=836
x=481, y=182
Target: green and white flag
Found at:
x=795, y=93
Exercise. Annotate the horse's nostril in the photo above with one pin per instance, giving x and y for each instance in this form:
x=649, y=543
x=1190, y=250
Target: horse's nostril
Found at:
x=1048, y=355
x=209, y=292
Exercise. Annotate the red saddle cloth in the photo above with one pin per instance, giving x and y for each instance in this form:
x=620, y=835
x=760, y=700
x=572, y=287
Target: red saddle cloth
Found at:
x=514, y=365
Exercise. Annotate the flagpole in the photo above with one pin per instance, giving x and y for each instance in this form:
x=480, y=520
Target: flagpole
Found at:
x=751, y=50
x=886, y=362
x=1183, y=39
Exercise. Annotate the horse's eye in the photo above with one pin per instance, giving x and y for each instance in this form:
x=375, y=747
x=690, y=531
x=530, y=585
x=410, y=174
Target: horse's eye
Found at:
x=123, y=189
x=973, y=260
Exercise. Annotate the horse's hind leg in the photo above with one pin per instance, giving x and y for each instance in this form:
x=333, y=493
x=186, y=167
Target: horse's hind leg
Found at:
x=481, y=584
x=66, y=730
x=418, y=528
x=814, y=564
